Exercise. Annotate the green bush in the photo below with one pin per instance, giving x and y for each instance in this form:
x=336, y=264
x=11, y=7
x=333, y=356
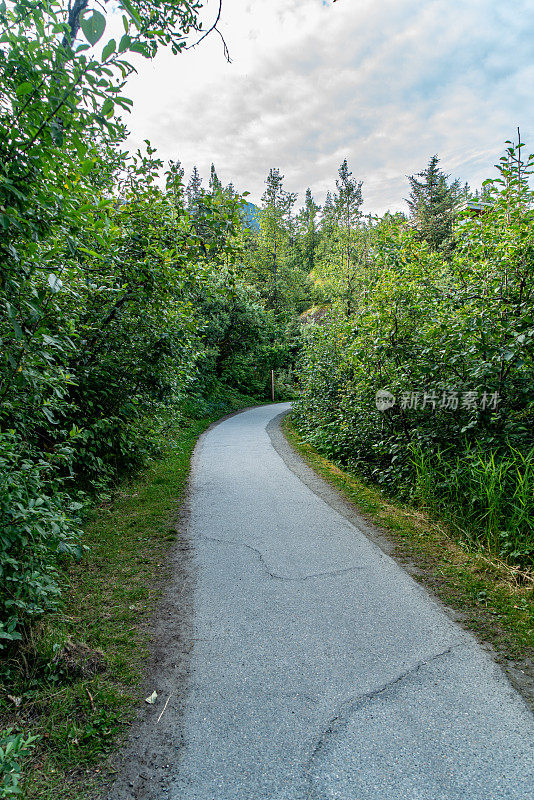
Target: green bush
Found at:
x=434, y=325
x=39, y=528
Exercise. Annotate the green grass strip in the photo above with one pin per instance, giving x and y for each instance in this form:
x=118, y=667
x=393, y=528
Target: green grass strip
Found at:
x=78, y=677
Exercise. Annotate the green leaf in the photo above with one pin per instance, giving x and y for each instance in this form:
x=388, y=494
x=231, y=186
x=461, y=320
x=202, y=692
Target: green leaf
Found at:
x=93, y=27
x=109, y=49
x=140, y=47
x=56, y=129
x=81, y=147
x=49, y=415
x=90, y=252
x=11, y=636
x=17, y=329
x=125, y=43
x=107, y=108
x=87, y=166
x=124, y=102
x=24, y=88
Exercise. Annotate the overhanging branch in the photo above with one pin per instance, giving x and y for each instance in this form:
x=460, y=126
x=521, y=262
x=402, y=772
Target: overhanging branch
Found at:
x=210, y=30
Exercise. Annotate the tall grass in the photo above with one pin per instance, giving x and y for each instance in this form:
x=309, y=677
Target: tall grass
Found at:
x=489, y=497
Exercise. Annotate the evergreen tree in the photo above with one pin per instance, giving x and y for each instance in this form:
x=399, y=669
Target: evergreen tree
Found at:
x=328, y=216
x=275, y=222
x=348, y=199
x=347, y=202
x=176, y=169
x=230, y=190
x=194, y=190
x=215, y=184
x=308, y=223
x=432, y=202
x=343, y=246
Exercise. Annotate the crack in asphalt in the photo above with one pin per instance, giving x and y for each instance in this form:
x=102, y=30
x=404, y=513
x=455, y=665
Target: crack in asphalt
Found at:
x=274, y=575
x=353, y=704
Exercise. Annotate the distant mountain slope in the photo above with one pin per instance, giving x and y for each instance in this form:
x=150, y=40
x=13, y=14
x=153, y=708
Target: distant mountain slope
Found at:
x=250, y=214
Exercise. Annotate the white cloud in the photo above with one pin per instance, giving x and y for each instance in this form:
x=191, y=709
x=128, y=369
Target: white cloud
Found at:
x=385, y=83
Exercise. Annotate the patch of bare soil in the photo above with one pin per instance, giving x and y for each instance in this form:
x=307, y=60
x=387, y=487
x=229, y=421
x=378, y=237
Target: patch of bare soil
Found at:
x=154, y=738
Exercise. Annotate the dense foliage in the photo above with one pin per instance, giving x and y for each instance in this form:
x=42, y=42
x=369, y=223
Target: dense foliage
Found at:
x=448, y=331
x=122, y=295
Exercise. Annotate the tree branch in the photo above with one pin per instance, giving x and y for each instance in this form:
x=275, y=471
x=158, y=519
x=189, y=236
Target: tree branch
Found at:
x=210, y=30
x=73, y=21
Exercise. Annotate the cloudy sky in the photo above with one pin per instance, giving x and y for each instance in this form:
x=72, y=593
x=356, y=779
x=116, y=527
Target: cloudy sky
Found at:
x=383, y=83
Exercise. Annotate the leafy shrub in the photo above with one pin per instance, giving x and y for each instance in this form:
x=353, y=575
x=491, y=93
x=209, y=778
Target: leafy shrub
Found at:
x=39, y=527
x=425, y=323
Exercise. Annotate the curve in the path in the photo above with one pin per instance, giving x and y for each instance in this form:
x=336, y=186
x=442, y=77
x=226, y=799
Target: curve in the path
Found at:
x=320, y=670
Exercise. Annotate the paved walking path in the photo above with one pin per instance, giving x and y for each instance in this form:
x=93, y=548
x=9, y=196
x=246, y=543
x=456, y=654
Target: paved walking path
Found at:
x=320, y=670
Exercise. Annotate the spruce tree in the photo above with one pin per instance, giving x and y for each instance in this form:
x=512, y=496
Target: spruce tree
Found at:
x=348, y=198
x=194, y=190
x=275, y=222
x=307, y=220
x=432, y=202
x=328, y=216
x=347, y=202
x=215, y=184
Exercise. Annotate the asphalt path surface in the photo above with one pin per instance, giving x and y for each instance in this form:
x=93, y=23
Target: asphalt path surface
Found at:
x=319, y=669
